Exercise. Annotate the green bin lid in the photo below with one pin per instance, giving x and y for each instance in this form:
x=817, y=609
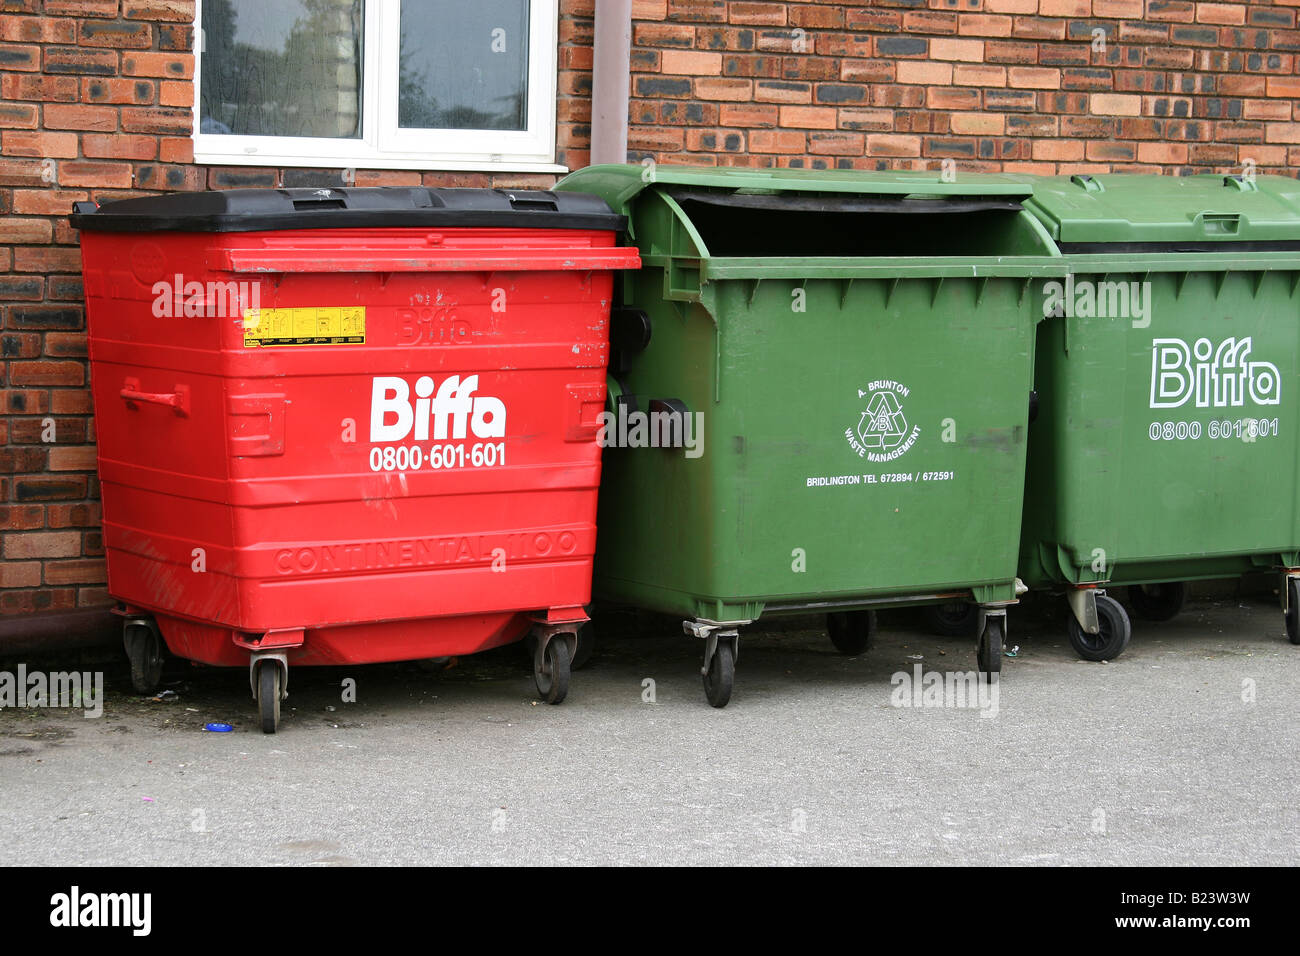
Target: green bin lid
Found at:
x=618, y=185
x=1137, y=213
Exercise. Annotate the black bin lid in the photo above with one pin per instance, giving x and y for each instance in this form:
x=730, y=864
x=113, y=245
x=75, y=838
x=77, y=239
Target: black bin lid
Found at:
x=250, y=210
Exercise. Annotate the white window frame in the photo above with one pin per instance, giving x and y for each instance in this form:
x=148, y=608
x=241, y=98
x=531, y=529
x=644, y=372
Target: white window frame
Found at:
x=382, y=144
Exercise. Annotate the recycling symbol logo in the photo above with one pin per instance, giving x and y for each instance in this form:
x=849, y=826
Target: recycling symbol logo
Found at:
x=883, y=426
x=883, y=432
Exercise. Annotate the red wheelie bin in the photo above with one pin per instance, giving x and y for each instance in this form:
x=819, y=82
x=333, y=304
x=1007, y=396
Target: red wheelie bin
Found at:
x=342, y=426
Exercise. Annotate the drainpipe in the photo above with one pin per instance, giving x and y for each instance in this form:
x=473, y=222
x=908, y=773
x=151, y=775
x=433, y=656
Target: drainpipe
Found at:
x=610, y=77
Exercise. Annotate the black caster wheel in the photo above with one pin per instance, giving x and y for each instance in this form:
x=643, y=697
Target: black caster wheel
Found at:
x=145, y=652
x=992, y=641
x=270, y=684
x=851, y=631
x=1293, y=610
x=586, y=646
x=1157, y=602
x=551, y=671
x=1114, y=634
x=955, y=619
x=721, y=675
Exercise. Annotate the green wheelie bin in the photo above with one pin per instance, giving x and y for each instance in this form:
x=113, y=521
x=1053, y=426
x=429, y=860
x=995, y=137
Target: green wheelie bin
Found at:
x=1166, y=441
x=820, y=400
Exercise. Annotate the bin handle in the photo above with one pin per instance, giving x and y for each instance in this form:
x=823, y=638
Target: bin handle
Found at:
x=467, y=260
x=178, y=400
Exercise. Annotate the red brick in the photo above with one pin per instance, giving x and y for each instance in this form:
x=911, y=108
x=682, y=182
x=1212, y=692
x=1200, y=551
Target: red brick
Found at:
x=176, y=93
x=79, y=61
x=20, y=574
x=66, y=401
x=808, y=117
x=1115, y=9
x=1114, y=104
x=73, y=458
x=757, y=14
x=777, y=141
x=836, y=144
x=173, y=66
x=83, y=8
x=135, y=36
x=84, y=515
x=25, y=86
x=119, y=146
x=691, y=63
x=924, y=72
x=42, y=544
x=774, y=91
x=141, y=119
x=178, y=10
x=46, y=202
x=1163, y=153
x=979, y=124
x=968, y=75
x=885, y=144
x=720, y=89
x=866, y=119
x=40, y=144
x=37, y=30
x=971, y=51
x=984, y=25
x=15, y=230
x=20, y=57
x=18, y=116
x=47, y=373
x=106, y=90
x=743, y=114
x=106, y=175
x=85, y=571
x=1033, y=78
x=1228, y=14
x=63, y=116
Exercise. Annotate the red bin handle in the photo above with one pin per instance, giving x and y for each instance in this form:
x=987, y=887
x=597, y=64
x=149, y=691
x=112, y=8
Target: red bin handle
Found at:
x=178, y=401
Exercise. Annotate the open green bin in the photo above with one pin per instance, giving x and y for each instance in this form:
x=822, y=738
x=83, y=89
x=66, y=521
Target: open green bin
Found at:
x=857, y=350
x=1166, y=445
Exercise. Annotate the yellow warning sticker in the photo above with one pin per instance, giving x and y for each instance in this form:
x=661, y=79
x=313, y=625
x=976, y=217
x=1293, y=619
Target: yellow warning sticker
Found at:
x=327, y=326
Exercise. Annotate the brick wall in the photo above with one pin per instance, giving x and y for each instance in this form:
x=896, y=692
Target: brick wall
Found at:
x=95, y=100
x=1045, y=86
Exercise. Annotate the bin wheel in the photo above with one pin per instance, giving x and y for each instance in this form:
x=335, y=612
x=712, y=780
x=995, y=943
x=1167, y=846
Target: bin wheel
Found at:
x=585, y=647
x=991, y=644
x=1114, y=634
x=144, y=651
x=721, y=675
x=1293, y=610
x=269, y=685
x=551, y=671
x=955, y=619
x=1157, y=602
x=851, y=631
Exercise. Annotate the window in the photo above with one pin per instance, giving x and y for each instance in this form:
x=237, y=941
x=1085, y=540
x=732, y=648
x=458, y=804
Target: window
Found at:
x=396, y=84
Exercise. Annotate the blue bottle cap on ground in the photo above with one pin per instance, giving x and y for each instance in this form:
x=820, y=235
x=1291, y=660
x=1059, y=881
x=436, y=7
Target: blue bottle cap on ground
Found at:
x=218, y=728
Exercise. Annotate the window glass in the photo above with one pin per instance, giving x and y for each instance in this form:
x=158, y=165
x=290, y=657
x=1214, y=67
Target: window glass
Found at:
x=464, y=65
x=282, y=67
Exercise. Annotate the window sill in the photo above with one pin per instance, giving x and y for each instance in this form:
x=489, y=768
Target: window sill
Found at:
x=426, y=164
